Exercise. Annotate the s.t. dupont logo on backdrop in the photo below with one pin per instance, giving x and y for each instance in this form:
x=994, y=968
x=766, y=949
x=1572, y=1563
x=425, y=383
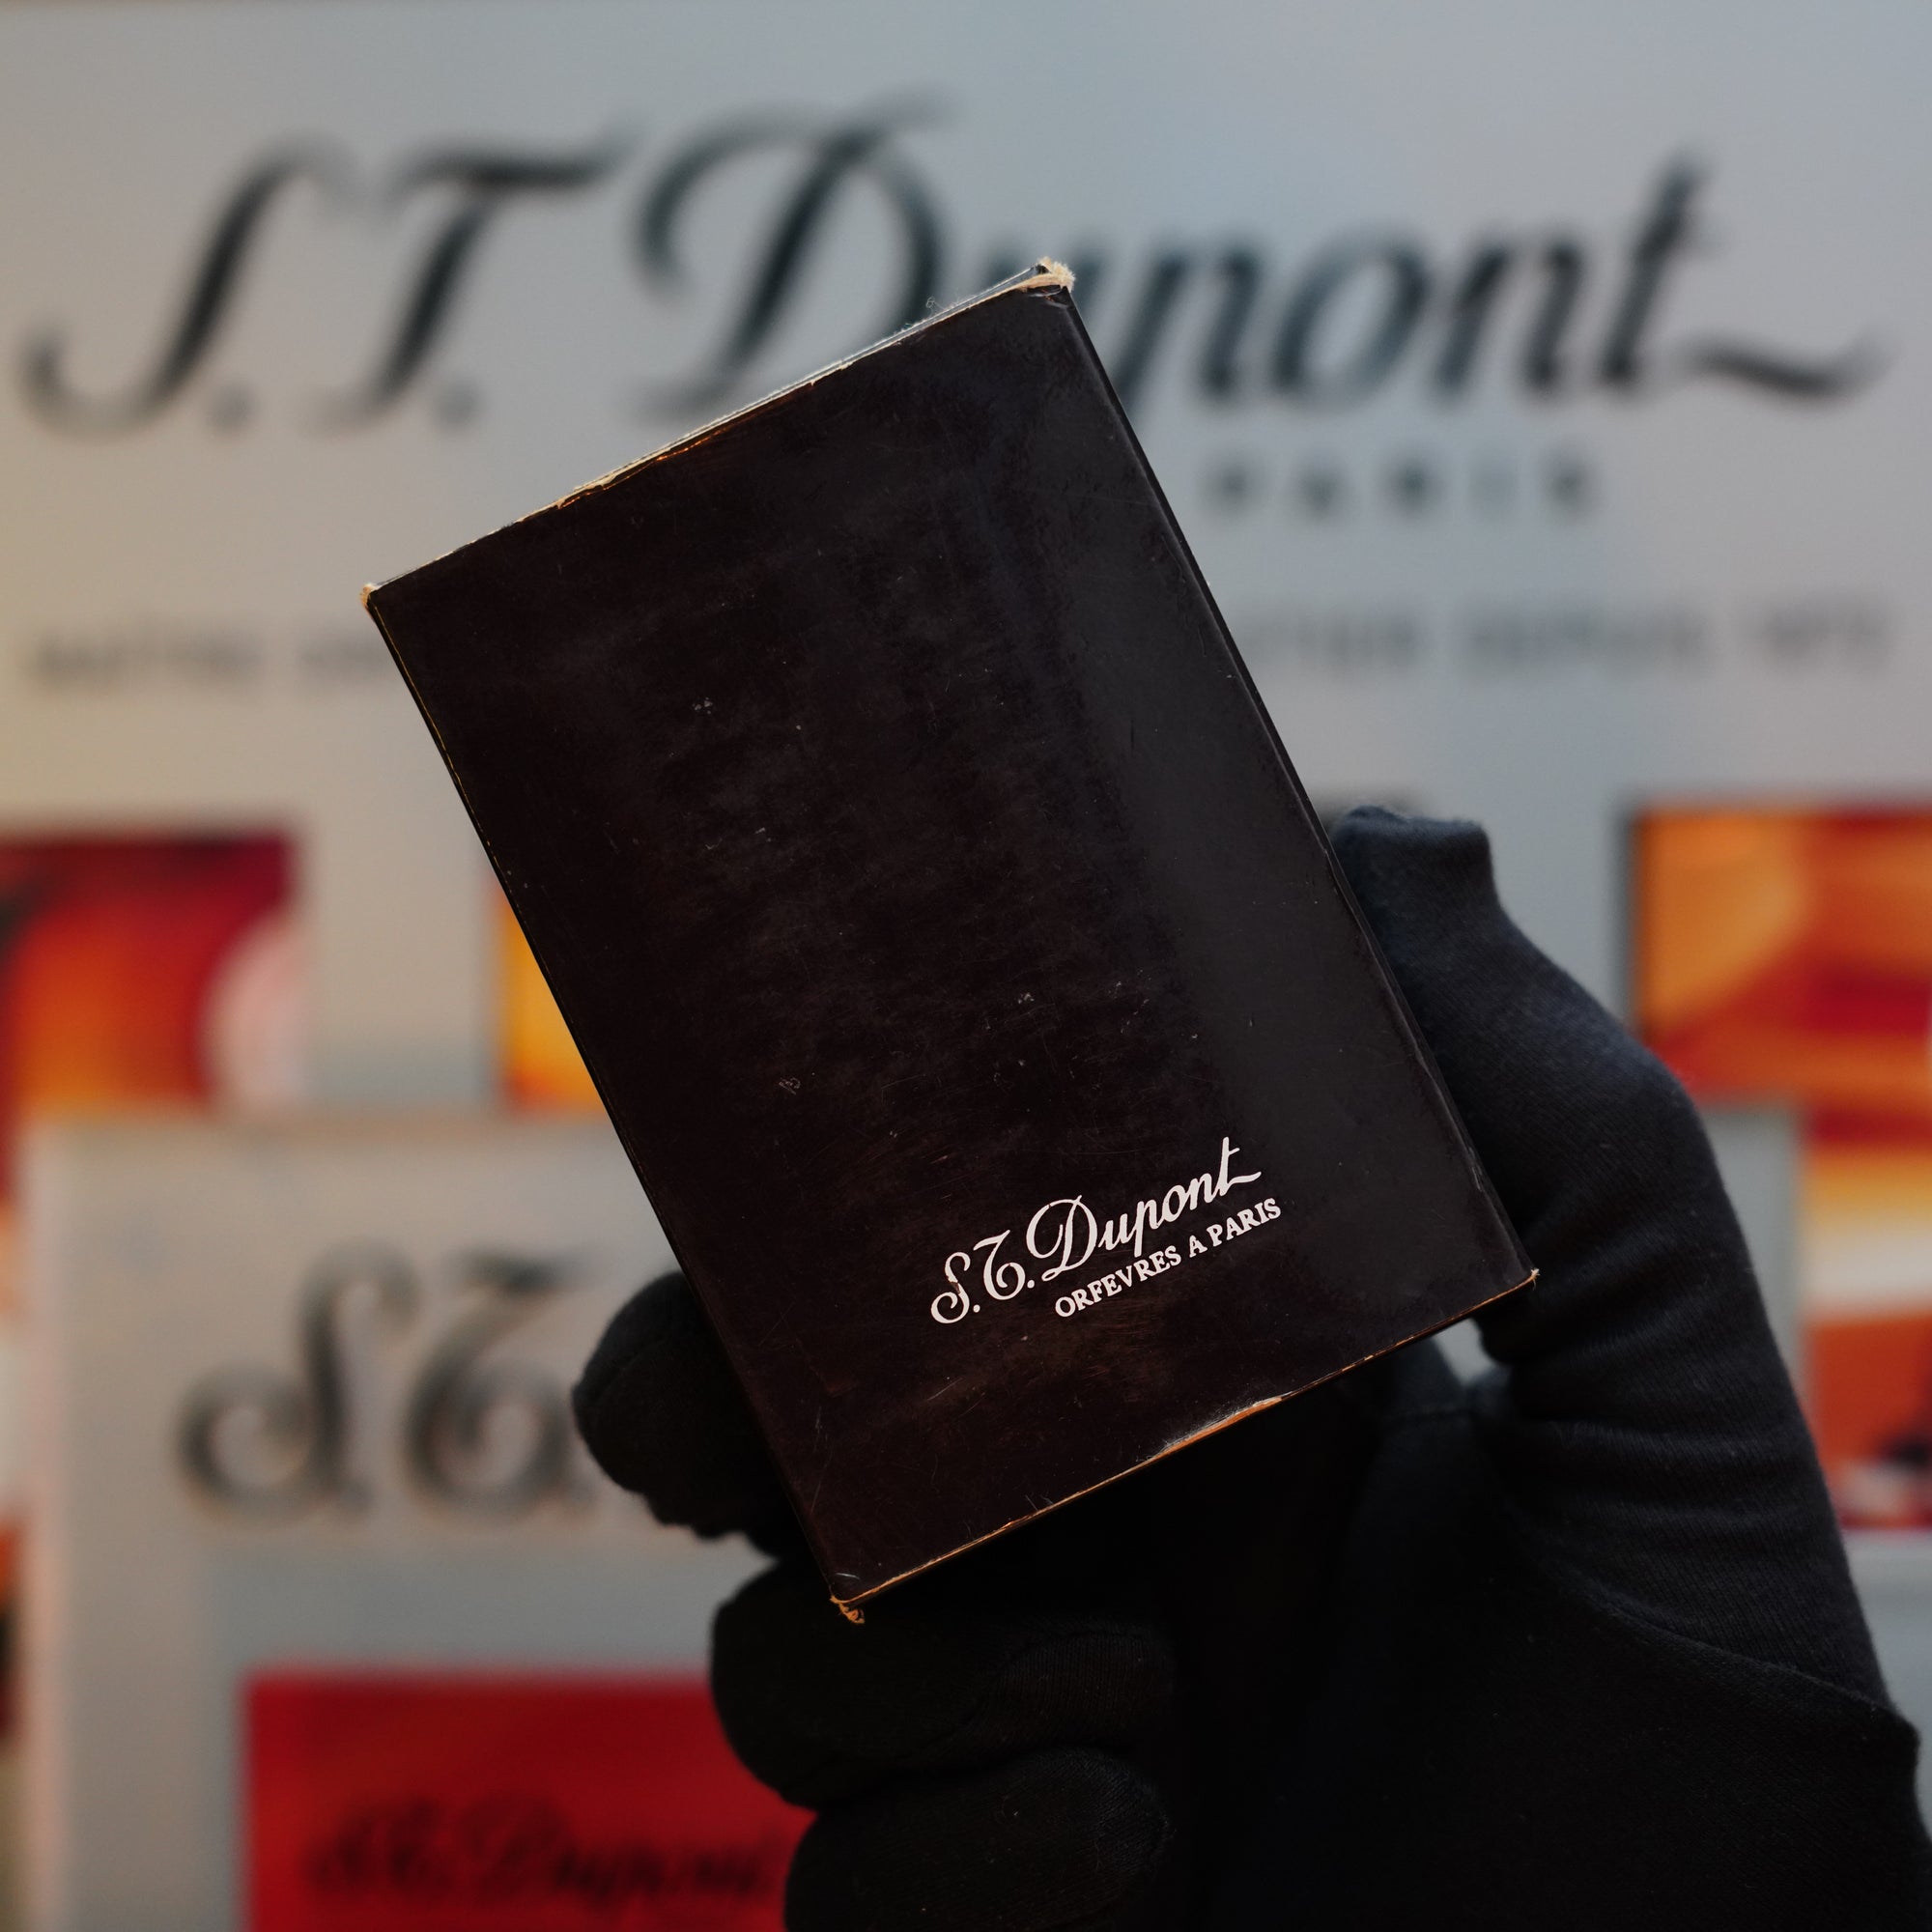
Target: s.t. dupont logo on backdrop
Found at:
x=474, y=1428
x=749, y=219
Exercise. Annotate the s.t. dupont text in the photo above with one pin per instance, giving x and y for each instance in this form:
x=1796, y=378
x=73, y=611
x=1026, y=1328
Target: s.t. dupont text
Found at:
x=1064, y=1235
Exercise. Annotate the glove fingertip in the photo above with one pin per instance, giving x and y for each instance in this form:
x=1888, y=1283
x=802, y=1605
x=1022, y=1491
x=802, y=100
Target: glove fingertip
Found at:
x=1402, y=866
x=661, y=1414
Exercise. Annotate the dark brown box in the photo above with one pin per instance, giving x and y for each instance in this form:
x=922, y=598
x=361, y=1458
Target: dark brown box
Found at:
x=948, y=935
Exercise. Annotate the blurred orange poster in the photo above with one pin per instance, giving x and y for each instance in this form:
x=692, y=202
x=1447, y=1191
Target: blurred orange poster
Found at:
x=460, y=1802
x=1866, y=1236
x=538, y=1062
x=1785, y=956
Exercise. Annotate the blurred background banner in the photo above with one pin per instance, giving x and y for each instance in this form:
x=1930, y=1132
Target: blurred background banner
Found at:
x=1544, y=387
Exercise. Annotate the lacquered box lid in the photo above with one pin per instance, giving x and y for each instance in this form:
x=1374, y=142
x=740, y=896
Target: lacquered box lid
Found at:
x=948, y=935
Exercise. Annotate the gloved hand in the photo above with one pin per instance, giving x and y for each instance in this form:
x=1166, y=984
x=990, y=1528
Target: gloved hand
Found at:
x=1575, y=1648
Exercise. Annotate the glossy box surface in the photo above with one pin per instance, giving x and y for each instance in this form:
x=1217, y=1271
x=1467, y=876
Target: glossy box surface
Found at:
x=948, y=936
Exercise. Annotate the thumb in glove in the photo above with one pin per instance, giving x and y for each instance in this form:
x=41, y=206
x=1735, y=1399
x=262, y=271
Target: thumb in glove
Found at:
x=1643, y=1426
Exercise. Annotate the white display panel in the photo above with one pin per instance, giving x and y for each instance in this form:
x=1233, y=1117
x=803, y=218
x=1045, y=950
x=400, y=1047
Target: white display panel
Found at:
x=298, y=1401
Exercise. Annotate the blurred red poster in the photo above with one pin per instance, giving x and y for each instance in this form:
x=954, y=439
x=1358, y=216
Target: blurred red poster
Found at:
x=149, y=968
x=459, y=1802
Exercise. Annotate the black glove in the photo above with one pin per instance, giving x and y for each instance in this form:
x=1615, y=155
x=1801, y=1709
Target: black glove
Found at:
x=1575, y=1648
